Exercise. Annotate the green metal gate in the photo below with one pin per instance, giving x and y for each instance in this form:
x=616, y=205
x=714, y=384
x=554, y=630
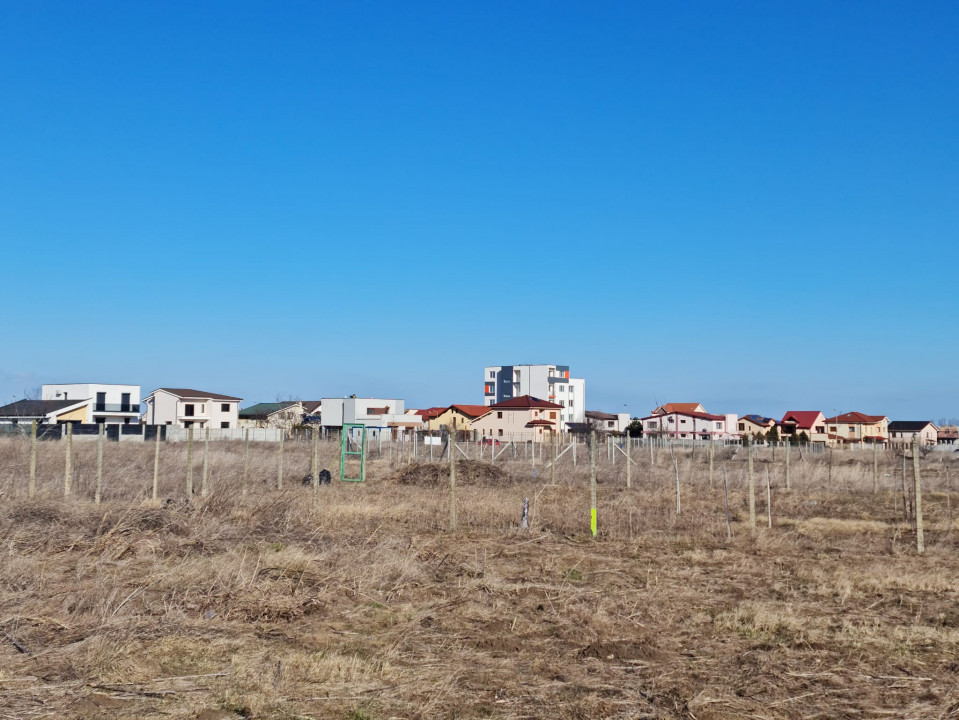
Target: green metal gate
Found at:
x=346, y=436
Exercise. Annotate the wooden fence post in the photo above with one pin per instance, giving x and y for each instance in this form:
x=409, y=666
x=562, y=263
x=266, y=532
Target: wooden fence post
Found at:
x=452, y=444
x=204, y=482
x=246, y=460
x=552, y=467
x=68, y=463
x=875, y=467
x=769, y=499
x=156, y=464
x=189, y=463
x=315, y=460
x=712, y=452
x=788, y=482
x=279, y=464
x=32, y=487
x=98, y=490
x=752, y=489
x=920, y=541
x=729, y=527
x=592, y=482
x=679, y=500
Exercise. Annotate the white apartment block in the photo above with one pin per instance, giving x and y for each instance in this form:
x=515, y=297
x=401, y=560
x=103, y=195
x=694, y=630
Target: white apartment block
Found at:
x=546, y=382
x=105, y=403
x=186, y=408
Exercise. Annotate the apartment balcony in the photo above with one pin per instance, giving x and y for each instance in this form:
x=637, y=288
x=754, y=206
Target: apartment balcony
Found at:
x=116, y=408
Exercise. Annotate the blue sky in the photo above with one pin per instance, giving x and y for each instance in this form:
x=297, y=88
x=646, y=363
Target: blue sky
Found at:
x=743, y=204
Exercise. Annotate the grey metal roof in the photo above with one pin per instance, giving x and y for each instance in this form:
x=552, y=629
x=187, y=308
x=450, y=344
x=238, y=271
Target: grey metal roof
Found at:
x=35, y=408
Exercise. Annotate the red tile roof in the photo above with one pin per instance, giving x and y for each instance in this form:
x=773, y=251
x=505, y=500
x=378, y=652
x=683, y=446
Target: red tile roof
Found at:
x=524, y=401
x=536, y=423
x=430, y=413
x=804, y=419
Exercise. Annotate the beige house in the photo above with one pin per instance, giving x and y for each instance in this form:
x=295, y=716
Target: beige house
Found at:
x=857, y=428
x=463, y=414
x=901, y=432
x=521, y=419
x=796, y=423
x=754, y=424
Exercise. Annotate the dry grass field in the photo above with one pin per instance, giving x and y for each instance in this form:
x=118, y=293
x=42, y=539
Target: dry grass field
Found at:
x=356, y=601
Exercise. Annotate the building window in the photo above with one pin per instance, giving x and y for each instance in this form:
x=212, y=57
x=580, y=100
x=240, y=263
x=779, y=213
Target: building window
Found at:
x=225, y=424
x=719, y=426
x=552, y=416
x=500, y=432
x=499, y=414
x=225, y=407
x=188, y=410
x=683, y=421
x=609, y=423
x=652, y=425
x=742, y=427
x=492, y=375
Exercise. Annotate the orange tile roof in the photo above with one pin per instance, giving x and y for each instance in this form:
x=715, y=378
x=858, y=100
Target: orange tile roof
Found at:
x=471, y=410
x=678, y=407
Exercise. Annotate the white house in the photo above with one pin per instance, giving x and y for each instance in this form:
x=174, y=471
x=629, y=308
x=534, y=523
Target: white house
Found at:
x=607, y=422
x=105, y=403
x=691, y=425
x=548, y=382
x=374, y=413
x=191, y=408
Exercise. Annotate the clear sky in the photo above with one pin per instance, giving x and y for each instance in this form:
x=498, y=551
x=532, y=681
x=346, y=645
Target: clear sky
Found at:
x=743, y=204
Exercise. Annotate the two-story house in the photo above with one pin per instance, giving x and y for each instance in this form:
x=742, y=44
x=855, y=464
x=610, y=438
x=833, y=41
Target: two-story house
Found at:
x=106, y=403
x=901, y=432
x=810, y=423
x=521, y=419
x=856, y=427
x=186, y=408
x=690, y=425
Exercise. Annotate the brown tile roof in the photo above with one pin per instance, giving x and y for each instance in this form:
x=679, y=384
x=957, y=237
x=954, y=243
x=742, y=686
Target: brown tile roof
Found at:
x=856, y=418
x=188, y=394
x=311, y=406
x=524, y=401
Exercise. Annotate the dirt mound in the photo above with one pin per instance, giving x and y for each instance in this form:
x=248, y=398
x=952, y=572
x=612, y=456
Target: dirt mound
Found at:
x=618, y=650
x=468, y=472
